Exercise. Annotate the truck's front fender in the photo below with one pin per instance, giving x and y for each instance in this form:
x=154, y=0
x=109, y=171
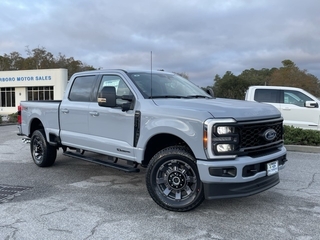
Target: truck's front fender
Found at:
x=189, y=131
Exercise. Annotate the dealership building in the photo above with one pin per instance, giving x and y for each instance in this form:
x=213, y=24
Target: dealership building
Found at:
x=28, y=85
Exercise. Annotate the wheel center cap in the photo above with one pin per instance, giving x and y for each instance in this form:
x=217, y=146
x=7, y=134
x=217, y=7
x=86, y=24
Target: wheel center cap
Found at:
x=176, y=180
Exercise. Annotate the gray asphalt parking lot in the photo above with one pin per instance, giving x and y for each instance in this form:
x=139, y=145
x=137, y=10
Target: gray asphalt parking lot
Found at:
x=79, y=200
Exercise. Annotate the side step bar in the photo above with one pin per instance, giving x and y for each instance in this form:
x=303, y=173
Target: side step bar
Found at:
x=103, y=163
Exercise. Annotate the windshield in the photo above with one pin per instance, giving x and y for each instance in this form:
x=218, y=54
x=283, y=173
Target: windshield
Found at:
x=166, y=85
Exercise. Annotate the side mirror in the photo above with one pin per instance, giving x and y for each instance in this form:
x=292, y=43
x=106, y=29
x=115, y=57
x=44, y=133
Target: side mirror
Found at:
x=311, y=104
x=107, y=97
x=210, y=91
x=127, y=105
x=127, y=97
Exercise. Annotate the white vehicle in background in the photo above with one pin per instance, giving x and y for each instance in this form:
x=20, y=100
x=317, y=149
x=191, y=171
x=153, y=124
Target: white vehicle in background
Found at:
x=298, y=107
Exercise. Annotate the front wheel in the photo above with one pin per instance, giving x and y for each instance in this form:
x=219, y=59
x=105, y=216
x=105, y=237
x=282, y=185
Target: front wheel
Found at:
x=173, y=180
x=42, y=153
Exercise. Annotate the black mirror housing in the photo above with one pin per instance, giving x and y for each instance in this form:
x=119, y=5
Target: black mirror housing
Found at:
x=107, y=97
x=210, y=91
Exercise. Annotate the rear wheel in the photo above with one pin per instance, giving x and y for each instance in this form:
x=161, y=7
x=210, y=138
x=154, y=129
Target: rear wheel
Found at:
x=173, y=180
x=43, y=154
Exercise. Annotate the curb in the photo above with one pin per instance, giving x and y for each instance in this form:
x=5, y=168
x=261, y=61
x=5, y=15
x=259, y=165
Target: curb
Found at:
x=303, y=148
x=7, y=124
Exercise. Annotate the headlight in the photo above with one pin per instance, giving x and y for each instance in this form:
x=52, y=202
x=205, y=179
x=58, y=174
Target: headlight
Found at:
x=225, y=139
x=222, y=130
x=221, y=138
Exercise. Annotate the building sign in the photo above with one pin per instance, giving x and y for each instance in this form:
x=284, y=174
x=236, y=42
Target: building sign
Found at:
x=26, y=78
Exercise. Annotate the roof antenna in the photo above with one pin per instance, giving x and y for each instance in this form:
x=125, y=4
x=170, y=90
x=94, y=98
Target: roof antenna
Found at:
x=151, y=74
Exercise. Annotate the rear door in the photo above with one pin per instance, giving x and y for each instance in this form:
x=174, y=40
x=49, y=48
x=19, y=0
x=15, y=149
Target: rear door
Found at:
x=270, y=96
x=74, y=112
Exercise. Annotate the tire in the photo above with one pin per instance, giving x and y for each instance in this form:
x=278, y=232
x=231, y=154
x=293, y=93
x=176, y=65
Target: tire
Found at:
x=173, y=180
x=42, y=153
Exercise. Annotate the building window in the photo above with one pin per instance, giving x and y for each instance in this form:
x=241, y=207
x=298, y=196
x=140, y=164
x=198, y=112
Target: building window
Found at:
x=40, y=93
x=8, y=98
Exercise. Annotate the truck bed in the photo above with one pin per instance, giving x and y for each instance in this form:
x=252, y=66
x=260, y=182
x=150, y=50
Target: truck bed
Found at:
x=47, y=111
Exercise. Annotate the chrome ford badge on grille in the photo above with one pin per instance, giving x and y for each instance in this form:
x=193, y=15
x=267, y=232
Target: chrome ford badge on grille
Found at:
x=270, y=134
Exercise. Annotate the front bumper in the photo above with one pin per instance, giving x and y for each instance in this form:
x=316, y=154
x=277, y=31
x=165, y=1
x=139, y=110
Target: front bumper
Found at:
x=232, y=190
x=241, y=183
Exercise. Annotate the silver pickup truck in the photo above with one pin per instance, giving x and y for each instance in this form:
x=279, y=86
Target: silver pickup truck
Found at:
x=193, y=145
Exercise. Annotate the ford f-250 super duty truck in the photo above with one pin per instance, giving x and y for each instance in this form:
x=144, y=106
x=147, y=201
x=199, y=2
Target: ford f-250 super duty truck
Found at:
x=193, y=145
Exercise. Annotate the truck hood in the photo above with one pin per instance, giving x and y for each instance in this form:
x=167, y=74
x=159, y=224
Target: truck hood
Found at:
x=223, y=108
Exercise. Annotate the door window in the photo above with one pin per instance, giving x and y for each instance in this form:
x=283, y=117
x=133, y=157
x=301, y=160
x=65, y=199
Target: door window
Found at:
x=267, y=95
x=81, y=89
x=295, y=97
x=120, y=86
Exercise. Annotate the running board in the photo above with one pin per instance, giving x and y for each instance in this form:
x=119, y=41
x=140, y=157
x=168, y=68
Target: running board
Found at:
x=103, y=163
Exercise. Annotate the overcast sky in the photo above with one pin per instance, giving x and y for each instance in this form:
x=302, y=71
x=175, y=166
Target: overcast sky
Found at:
x=201, y=38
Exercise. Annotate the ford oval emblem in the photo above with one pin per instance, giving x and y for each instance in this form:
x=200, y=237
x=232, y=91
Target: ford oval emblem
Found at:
x=270, y=134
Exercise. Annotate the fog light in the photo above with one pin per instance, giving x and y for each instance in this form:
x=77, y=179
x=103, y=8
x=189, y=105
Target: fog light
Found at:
x=231, y=172
x=223, y=171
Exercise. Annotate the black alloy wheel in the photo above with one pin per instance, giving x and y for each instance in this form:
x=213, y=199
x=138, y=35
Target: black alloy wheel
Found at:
x=43, y=154
x=173, y=180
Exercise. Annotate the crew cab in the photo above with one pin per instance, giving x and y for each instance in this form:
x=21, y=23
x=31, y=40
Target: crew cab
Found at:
x=298, y=107
x=193, y=145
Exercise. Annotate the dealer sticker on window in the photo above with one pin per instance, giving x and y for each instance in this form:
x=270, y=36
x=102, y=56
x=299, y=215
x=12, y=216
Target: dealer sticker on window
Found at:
x=272, y=168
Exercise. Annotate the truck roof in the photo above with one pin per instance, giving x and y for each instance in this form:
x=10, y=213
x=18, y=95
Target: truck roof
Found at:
x=274, y=87
x=121, y=70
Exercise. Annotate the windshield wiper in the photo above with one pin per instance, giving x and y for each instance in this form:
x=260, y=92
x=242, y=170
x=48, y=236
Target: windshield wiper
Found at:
x=196, y=96
x=166, y=96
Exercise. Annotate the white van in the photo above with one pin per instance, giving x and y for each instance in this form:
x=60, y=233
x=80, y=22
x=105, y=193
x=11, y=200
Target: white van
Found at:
x=298, y=107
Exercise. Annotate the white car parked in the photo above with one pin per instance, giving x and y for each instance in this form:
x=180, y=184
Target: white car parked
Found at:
x=298, y=107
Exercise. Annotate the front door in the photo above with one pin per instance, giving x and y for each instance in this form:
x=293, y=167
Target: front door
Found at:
x=111, y=129
x=296, y=114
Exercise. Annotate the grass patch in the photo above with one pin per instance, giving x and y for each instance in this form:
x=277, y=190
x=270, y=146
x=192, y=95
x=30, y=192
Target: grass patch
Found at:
x=298, y=136
x=13, y=118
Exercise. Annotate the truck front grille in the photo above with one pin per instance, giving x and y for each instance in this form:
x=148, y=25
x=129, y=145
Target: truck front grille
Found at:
x=247, y=138
x=252, y=135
